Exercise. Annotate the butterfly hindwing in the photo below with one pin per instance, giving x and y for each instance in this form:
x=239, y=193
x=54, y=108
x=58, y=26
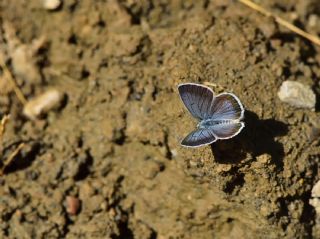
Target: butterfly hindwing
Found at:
x=198, y=138
x=226, y=106
x=227, y=130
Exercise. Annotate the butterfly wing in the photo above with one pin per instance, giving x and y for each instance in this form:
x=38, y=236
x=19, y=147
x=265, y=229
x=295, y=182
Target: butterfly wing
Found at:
x=199, y=137
x=197, y=99
x=226, y=106
x=227, y=130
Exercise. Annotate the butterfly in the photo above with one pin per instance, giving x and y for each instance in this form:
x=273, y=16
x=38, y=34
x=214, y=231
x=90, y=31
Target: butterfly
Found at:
x=219, y=116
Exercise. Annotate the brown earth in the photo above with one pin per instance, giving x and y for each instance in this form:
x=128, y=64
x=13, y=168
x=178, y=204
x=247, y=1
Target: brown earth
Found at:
x=114, y=143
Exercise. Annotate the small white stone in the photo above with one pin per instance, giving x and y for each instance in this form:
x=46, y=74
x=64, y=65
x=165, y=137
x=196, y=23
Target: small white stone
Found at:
x=315, y=202
x=315, y=194
x=316, y=190
x=43, y=103
x=313, y=20
x=51, y=4
x=297, y=94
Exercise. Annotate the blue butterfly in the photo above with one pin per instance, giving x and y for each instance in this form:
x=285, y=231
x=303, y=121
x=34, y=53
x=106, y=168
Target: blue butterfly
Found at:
x=219, y=116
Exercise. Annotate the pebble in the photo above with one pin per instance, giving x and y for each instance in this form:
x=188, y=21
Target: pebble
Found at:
x=315, y=200
x=316, y=190
x=297, y=94
x=51, y=4
x=313, y=20
x=72, y=205
x=49, y=100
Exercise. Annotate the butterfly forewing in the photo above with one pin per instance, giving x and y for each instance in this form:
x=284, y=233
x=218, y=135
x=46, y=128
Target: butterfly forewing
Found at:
x=226, y=106
x=197, y=99
x=227, y=130
x=199, y=137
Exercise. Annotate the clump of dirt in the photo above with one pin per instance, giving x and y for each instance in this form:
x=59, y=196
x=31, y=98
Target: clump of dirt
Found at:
x=113, y=147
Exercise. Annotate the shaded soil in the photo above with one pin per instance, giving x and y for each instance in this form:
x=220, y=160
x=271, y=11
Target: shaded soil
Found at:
x=114, y=143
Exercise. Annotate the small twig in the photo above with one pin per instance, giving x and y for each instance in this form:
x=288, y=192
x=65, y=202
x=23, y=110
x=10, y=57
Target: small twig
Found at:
x=10, y=77
x=11, y=157
x=7, y=162
x=3, y=125
x=282, y=22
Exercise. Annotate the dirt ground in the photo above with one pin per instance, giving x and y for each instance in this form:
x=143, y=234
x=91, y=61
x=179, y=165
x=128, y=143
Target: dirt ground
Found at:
x=113, y=145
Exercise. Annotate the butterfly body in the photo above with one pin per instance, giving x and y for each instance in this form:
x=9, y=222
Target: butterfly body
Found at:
x=219, y=116
x=207, y=123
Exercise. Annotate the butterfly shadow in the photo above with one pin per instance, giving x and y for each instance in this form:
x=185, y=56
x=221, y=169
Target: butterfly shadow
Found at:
x=257, y=138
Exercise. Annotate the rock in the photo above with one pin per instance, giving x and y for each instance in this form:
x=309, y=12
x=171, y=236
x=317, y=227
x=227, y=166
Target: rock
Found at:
x=316, y=190
x=72, y=205
x=51, y=4
x=315, y=200
x=313, y=20
x=24, y=64
x=43, y=103
x=24, y=58
x=297, y=94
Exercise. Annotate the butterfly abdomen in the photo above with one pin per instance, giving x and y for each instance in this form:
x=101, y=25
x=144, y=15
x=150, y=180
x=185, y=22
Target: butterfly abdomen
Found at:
x=204, y=124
